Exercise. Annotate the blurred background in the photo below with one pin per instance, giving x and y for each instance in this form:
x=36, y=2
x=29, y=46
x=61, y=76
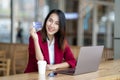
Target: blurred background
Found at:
x=89, y=22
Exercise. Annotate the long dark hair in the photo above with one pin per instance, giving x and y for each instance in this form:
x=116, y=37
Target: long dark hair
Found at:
x=60, y=35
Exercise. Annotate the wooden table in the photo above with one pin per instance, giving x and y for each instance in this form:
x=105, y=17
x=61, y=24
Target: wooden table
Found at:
x=107, y=70
x=112, y=77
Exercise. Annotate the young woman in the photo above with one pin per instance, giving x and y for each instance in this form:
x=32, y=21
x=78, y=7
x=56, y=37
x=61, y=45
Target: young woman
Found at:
x=49, y=44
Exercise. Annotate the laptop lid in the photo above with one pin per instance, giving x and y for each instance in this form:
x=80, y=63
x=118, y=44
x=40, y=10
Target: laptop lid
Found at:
x=89, y=59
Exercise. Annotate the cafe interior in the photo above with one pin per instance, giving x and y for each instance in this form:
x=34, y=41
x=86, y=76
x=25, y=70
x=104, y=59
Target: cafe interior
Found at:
x=88, y=23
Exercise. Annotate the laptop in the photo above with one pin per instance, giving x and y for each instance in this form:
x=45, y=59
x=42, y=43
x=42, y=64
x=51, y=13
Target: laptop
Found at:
x=88, y=61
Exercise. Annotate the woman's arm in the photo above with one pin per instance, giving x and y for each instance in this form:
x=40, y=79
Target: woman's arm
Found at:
x=39, y=55
x=38, y=52
x=57, y=66
x=69, y=60
x=69, y=57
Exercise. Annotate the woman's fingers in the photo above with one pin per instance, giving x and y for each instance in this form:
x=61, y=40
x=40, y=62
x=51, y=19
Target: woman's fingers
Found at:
x=50, y=67
x=33, y=33
x=32, y=30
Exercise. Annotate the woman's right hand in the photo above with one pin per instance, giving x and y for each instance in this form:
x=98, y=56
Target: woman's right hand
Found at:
x=33, y=34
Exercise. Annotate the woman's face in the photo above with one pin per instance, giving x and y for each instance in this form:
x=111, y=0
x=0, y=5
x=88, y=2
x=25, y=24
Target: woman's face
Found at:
x=52, y=24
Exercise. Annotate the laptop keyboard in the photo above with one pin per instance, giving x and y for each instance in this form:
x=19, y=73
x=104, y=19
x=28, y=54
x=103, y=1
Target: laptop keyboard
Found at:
x=69, y=70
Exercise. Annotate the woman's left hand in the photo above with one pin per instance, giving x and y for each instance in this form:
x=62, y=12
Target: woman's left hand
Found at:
x=51, y=67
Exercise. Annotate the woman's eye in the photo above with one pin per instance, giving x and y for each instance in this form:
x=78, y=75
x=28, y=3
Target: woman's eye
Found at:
x=57, y=23
x=50, y=20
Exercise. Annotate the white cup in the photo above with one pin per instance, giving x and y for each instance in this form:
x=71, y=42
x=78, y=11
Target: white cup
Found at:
x=42, y=77
x=41, y=66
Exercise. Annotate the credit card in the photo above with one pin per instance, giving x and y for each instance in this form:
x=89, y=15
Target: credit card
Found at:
x=37, y=25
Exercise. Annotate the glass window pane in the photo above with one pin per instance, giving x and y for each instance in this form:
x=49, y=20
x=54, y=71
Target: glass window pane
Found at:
x=5, y=21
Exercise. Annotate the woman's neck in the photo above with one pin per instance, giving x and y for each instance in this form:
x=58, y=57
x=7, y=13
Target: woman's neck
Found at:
x=50, y=38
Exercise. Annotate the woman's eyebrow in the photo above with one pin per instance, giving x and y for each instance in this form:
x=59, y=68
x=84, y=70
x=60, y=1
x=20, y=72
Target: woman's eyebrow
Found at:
x=53, y=19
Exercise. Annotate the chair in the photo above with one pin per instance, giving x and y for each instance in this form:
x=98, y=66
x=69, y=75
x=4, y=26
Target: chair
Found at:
x=4, y=64
x=19, y=61
x=5, y=47
x=108, y=54
x=2, y=54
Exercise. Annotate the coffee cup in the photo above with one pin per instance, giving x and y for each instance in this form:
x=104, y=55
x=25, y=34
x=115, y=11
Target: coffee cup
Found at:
x=41, y=66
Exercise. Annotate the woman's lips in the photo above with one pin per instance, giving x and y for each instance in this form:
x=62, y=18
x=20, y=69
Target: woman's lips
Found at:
x=50, y=30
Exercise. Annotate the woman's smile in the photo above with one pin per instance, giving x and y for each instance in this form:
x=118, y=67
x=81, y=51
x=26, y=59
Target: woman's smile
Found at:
x=50, y=29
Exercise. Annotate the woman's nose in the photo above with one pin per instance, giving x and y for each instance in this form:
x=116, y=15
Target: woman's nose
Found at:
x=52, y=24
